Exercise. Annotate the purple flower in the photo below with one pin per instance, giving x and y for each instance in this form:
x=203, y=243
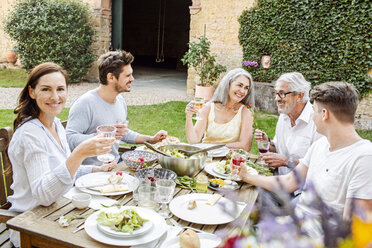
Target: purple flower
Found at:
x=250, y=63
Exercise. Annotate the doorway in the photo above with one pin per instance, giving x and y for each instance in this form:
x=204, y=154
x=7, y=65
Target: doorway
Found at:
x=156, y=32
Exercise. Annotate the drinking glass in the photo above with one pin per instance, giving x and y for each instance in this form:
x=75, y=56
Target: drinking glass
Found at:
x=106, y=132
x=198, y=102
x=164, y=190
x=147, y=197
x=138, y=183
x=263, y=147
x=126, y=124
x=201, y=183
x=236, y=160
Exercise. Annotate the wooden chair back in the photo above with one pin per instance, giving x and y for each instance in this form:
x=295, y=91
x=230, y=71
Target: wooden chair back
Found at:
x=6, y=177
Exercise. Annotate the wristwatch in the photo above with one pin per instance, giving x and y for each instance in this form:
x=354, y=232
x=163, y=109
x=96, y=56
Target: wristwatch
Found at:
x=148, y=139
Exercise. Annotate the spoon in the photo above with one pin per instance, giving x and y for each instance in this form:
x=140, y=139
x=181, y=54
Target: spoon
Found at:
x=148, y=145
x=190, y=153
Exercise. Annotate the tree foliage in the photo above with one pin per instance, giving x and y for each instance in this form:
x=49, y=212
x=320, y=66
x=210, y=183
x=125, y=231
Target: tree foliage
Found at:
x=326, y=40
x=59, y=31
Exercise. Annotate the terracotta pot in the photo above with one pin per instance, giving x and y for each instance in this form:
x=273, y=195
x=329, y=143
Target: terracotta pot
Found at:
x=11, y=56
x=204, y=91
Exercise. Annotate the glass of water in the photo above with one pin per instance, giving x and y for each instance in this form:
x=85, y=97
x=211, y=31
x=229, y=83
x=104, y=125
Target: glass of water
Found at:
x=106, y=132
x=164, y=192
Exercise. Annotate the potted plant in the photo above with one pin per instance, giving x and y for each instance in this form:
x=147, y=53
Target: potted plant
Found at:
x=204, y=63
x=11, y=56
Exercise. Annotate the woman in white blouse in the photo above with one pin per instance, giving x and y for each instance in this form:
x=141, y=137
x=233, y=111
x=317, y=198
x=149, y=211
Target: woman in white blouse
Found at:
x=44, y=168
x=225, y=119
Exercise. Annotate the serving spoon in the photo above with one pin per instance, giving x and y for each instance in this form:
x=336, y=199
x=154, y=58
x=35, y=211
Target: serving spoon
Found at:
x=190, y=153
x=148, y=145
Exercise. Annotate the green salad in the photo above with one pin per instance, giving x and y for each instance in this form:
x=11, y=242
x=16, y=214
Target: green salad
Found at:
x=126, y=221
x=261, y=170
x=223, y=167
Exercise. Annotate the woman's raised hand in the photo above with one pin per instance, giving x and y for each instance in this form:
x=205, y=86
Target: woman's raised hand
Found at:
x=191, y=109
x=260, y=135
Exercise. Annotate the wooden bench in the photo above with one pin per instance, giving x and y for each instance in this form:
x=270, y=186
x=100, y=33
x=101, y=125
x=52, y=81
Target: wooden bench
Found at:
x=6, y=179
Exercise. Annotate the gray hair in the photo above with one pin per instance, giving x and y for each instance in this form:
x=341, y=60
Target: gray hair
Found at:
x=221, y=94
x=297, y=83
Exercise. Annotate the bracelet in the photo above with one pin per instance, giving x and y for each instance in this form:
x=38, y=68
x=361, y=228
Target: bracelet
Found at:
x=148, y=139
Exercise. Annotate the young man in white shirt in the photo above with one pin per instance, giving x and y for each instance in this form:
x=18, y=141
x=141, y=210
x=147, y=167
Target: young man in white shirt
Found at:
x=295, y=131
x=337, y=165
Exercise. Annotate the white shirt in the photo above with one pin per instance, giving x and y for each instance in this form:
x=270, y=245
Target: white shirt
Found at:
x=337, y=175
x=40, y=175
x=295, y=141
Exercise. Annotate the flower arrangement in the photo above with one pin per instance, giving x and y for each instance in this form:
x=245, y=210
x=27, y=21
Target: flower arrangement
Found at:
x=276, y=226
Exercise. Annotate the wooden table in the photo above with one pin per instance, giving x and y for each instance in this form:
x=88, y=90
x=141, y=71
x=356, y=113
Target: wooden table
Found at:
x=39, y=227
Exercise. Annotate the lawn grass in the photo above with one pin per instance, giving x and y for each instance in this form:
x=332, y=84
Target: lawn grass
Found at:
x=170, y=116
x=13, y=78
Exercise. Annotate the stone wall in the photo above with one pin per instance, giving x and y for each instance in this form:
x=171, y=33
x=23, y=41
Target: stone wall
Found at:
x=5, y=43
x=219, y=20
x=265, y=97
x=364, y=113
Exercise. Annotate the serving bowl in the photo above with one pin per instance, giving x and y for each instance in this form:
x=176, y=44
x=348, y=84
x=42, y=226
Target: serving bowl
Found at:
x=182, y=166
x=133, y=158
x=155, y=174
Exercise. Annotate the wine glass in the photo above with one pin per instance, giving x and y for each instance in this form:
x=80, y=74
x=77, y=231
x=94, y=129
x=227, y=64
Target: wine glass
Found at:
x=263, y=147
x=106, y=132
x=236, y=160
x=198, y=102
x=164, y=190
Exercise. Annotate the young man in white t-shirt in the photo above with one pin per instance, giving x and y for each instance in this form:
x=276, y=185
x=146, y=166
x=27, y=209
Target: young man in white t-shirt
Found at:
x=338, y=165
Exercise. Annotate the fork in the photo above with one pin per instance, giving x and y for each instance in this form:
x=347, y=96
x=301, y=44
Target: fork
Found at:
x=175, y=223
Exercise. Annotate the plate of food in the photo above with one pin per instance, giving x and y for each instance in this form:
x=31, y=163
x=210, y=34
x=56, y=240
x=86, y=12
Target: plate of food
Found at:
x=106, y=183
x=205, y=209
x=222, y=170
x=93, y=230
x=124, y=222
x=218, y=183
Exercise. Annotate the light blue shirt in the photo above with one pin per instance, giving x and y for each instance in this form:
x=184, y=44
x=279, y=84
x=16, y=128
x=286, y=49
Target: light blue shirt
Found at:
x=90, y=111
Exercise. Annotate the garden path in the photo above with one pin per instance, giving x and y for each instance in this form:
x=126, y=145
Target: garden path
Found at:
x=151, y=86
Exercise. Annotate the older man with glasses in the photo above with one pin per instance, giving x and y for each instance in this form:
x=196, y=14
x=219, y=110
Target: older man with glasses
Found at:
x=295, y=130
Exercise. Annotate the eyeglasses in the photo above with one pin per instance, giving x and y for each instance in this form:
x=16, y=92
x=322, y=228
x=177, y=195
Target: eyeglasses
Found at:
x=283, y=94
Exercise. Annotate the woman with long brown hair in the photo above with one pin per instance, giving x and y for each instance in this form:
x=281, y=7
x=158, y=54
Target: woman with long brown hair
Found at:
x=44, y=168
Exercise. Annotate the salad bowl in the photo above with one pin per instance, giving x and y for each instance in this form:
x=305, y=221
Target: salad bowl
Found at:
x=182, y=166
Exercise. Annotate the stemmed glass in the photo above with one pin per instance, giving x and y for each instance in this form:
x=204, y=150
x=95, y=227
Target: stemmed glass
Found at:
x=198, y=102
x=164, y=190
x=236, y=160
x=263, y=147
x=106, y=132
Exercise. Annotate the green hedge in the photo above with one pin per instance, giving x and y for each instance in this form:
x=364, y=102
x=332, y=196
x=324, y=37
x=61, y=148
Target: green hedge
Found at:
x=326, y=40
x=59, y=31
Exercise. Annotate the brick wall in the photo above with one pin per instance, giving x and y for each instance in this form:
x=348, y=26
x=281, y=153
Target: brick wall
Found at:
x=5, y=43
x=219, y=19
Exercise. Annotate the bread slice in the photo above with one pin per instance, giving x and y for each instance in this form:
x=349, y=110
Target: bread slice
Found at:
x=213, y=199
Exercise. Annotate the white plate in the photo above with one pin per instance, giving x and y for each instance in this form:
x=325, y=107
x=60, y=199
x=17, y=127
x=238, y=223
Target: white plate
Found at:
x=99, y=177
x=207, y=240
x=209, y=168
x=220, y=152
x=91, y=228
x=145, y=228
x=203, y=213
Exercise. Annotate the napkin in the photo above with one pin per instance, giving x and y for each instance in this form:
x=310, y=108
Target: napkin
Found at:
x=96, y=201
x=173, y=231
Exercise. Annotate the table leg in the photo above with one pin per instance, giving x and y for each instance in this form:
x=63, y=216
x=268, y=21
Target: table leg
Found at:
x=25, y=241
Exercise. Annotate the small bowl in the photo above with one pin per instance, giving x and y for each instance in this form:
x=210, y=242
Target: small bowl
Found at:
x=157, y=173
x=131, y=158
x=81, y=200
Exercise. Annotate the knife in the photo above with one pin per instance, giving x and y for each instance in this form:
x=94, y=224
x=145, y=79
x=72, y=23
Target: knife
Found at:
x=175, y=223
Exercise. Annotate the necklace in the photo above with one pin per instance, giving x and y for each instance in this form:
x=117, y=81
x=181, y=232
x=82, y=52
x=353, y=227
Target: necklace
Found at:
x=235, y=108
